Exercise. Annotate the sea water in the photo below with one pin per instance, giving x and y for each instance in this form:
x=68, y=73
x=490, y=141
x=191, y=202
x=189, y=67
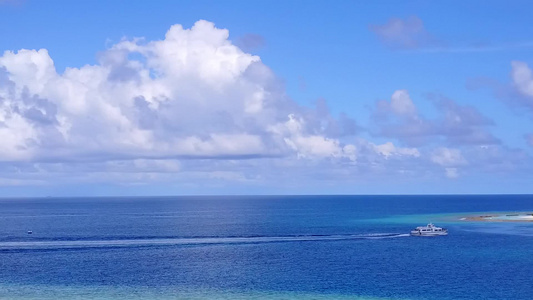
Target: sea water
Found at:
x=263, y=247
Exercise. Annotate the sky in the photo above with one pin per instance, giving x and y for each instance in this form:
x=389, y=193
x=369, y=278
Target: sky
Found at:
x=127, y=98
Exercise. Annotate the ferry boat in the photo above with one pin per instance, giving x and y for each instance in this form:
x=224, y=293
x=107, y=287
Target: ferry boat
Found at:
x=429, y=230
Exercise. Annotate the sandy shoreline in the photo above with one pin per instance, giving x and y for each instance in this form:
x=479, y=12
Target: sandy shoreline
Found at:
x=503, y=217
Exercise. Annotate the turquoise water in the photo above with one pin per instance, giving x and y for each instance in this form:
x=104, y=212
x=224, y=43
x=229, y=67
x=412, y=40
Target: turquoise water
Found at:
x=276, y=247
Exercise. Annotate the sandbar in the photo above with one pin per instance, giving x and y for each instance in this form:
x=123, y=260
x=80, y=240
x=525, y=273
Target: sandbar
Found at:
x=501, y=217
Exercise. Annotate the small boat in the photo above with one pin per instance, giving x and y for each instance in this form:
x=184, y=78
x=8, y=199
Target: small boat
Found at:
x=429, y=230
x=30, y=232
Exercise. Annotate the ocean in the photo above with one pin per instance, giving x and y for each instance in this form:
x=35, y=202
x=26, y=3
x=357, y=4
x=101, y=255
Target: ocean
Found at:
x=263, y=247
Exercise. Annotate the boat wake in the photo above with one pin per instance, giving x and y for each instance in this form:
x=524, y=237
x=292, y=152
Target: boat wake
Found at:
x=121, y=243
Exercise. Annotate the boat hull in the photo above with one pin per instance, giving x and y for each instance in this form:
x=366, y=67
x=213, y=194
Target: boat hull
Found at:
x=418, y=233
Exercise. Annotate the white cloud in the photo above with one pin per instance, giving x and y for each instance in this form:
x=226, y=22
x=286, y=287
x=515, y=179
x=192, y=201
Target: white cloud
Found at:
x=192, y=94
x=350, y=151
x=457, y=124
x=448, y=157
x=518, y=92
x=221, y=145
x=388, y=149
x=147, y=106
x=402, y=104
x=522, y=78
x=403, y=34
x=308, y=145
x=193, y=107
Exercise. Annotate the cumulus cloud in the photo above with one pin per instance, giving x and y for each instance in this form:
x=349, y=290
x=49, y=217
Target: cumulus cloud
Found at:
x=518, y=93
x=401, y=103
x=448, y=157
x=388, y=149
x=440, y=140
x=195, y=107
x=521, y=89
x=309, y=145
x=522, y=78
x=455, y=124
x=193, y=94
x=406, y=33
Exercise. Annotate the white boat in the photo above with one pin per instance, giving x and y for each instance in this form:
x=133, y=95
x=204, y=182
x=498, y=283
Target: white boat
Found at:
x=429, y=230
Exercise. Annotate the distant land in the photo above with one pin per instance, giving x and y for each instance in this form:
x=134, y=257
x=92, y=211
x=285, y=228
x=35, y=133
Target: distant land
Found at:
x=502, y=217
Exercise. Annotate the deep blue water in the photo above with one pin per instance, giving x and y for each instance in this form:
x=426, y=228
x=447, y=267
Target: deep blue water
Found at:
x=278, y=247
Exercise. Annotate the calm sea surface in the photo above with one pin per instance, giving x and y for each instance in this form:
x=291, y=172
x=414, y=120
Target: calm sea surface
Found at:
x=254, y=247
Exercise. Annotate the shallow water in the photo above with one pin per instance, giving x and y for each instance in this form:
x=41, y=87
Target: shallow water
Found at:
x=317, y=247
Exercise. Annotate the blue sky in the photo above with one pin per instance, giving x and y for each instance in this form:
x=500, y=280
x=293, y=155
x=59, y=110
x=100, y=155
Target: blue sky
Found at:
x=265, y=97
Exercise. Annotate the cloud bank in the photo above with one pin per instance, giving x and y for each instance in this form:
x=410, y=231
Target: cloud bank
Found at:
x=454, y=125
x=192, y=95
x=196, y=110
